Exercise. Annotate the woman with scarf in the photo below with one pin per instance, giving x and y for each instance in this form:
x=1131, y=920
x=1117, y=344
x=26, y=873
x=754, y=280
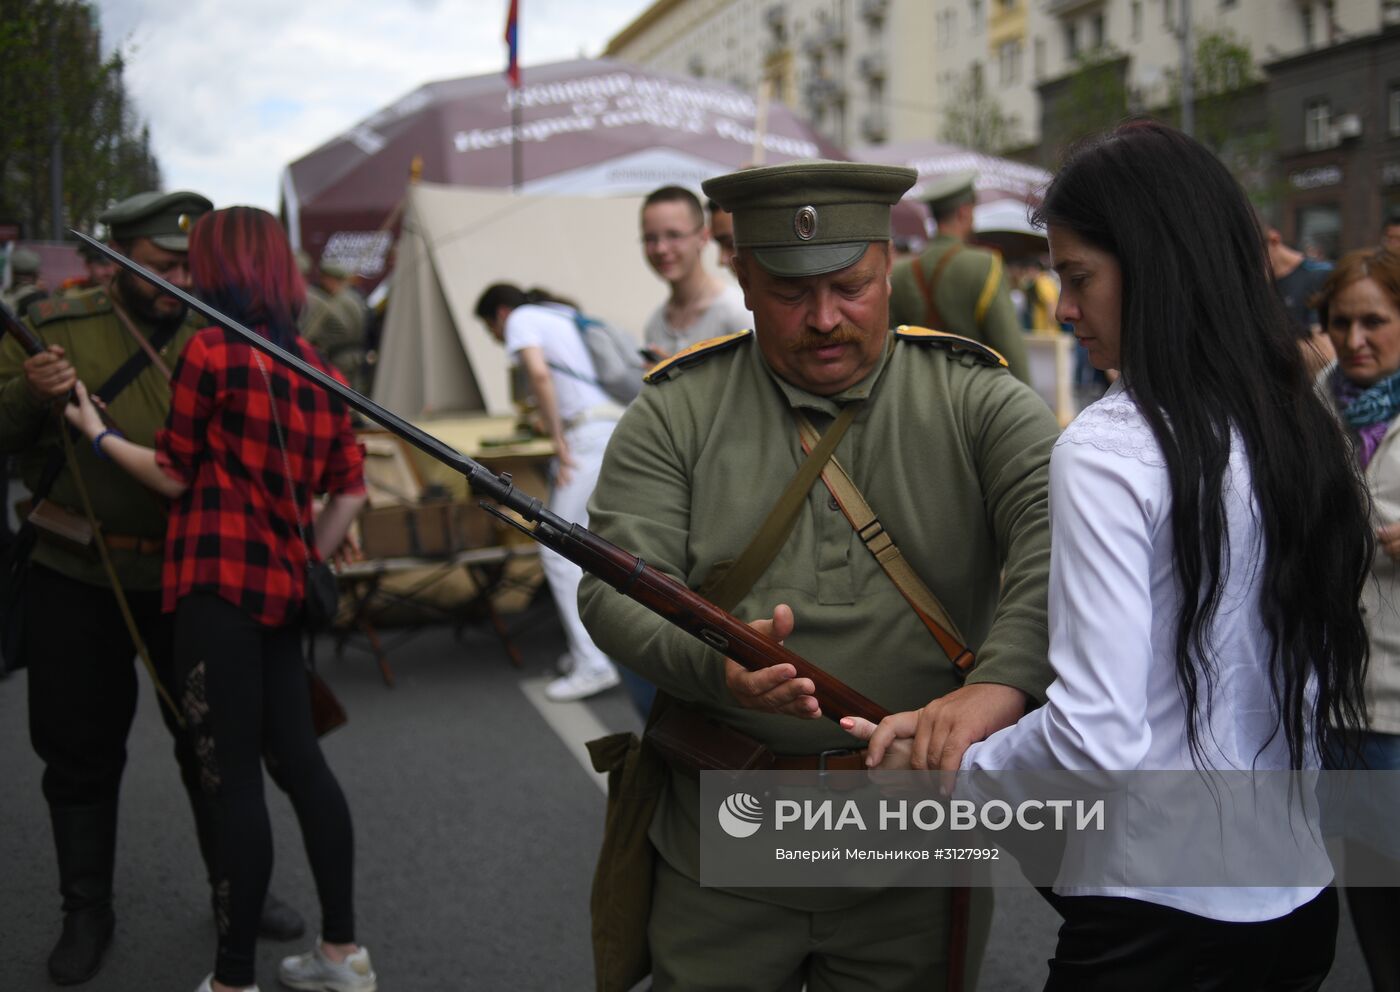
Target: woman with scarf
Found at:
x=1359, y=307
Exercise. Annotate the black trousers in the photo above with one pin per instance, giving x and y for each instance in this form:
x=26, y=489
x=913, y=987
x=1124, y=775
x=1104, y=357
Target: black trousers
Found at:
x=82, y=690
x=1109, y=944
x=245, y=699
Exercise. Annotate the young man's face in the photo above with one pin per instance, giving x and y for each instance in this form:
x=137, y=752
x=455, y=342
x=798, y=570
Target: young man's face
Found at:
x=673, y=237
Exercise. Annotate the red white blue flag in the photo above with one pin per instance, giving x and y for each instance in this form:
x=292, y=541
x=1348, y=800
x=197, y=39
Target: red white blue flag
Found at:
x=513, y=40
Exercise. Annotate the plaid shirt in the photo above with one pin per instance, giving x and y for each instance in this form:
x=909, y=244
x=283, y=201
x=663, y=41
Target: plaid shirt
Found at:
x=234, y=531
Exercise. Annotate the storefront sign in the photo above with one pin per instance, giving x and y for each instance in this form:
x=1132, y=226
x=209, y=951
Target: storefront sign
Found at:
x=1323, y=175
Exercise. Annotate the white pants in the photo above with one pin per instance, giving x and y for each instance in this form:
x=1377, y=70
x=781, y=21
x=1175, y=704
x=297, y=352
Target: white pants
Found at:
x=586, y=441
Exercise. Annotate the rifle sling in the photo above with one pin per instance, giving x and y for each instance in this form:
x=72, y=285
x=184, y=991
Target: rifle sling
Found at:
x=734, y=584
x=874, y=536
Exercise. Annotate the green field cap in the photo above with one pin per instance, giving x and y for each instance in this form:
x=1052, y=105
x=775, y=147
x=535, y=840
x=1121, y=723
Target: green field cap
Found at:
x=950, y=191
x=809, y=218
x=165, y=218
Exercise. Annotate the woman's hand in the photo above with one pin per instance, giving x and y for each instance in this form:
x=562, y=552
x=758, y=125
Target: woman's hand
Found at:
x=1389, y=539
x=944, y=728
x=85, y=413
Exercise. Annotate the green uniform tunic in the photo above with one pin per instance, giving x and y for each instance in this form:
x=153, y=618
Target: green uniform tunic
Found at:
x=953, y=456
x=335, y=326
x=960, y=287
x=96, y=343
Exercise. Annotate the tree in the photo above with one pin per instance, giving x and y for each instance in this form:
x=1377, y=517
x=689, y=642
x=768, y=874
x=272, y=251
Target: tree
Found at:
x=1231, y=111
x=60, y=93
x=1091, y=98
x=974, y=118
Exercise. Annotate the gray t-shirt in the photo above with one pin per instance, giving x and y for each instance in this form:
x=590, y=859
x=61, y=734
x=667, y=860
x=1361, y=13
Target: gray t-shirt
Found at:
x=725, y=315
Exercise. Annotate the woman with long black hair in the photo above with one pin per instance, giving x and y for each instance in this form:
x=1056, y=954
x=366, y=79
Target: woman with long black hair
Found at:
x=1209, y=544
x=246, y=446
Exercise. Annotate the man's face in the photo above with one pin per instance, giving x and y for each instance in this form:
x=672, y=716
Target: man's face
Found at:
x=145, y=299
x=722, y=233
x=821, y=333
x=1390, y=238
x=673, y=238
x=100, y=270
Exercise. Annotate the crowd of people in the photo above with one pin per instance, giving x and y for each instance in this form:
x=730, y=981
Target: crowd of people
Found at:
x=1197, y=574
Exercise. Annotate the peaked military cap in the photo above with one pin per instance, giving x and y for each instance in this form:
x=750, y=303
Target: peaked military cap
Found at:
x=24, y=262
x=165, y=218
x=808, y=218
x=952, y=190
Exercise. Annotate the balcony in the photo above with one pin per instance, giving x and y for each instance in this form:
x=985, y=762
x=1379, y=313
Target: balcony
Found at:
x=1062, y=8
x=874, y=10
x=872, y=66
x=874, y=126
x=834, y=34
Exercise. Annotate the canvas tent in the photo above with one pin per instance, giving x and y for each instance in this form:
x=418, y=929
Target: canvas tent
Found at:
x=594, y=127
x=435, y=356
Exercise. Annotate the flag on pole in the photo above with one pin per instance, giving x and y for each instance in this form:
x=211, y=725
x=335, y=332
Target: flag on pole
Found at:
x=513, y=40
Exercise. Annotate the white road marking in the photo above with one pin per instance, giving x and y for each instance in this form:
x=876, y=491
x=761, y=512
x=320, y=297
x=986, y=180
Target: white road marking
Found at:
x=572, y=723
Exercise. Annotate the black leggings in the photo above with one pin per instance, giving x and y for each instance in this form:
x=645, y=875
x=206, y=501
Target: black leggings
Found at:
x=244, y=696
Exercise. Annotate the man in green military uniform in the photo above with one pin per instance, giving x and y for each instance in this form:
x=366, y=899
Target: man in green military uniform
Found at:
x=953, y=455
x=122, y=340
x=25, y=286
x=334, y=321
x=954, y=287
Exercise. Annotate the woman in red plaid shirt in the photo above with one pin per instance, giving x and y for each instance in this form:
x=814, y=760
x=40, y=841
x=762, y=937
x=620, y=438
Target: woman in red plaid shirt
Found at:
x=246, y=446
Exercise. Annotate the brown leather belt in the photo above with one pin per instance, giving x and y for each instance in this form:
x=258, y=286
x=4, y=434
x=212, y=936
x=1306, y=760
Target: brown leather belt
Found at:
x=839, y=760
x=136, y=545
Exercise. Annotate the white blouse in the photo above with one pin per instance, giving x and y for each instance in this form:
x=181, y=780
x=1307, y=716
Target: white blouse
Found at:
x=1115, y=703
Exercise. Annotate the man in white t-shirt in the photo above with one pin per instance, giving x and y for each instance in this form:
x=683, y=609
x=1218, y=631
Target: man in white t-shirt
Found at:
x=543, y=338
x=701, y=305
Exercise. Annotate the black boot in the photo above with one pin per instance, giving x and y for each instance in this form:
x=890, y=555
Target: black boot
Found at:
x=85, y=838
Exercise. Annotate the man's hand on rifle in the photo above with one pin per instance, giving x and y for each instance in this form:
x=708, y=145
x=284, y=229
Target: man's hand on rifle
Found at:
x=775, y=689
x=49, y=375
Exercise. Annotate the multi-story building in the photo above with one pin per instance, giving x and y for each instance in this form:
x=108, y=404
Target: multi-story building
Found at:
x=859, y=70
x=1309, y=110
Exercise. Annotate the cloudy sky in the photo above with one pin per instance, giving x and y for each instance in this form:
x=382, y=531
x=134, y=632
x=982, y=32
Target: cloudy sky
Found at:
x=235, y=91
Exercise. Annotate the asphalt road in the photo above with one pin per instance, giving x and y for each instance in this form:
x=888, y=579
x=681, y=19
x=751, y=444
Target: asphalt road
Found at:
x=476, y=832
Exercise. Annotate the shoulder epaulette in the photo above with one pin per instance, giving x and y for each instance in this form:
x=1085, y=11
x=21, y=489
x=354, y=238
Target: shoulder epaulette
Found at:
x=953, y=344
x=695, y=353
x=68, y=307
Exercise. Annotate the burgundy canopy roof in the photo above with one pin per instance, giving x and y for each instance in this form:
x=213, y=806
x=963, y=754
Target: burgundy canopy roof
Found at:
x=586, y=127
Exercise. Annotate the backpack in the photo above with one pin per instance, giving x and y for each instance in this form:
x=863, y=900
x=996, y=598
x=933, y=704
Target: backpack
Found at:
x=617, y=360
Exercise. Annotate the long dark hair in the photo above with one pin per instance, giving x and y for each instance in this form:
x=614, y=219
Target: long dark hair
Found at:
x=242, y=264
x=505, y=294
x=1206, y=348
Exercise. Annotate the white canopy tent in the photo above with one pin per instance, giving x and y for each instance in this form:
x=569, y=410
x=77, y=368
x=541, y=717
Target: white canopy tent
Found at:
x=435, y=356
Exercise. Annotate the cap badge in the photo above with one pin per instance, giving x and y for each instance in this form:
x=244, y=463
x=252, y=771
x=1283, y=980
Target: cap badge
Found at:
x=804, y=223
x=183, y=222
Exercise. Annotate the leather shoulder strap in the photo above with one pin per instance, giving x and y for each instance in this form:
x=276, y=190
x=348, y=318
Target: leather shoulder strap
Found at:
x=880, y=544
x=927, y=288
x=726, y=589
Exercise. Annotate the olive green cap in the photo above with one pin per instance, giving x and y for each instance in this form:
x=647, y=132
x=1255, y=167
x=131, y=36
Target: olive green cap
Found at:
x=952, y=190
x=808, y=218
x=165, y=218
x=24, y=262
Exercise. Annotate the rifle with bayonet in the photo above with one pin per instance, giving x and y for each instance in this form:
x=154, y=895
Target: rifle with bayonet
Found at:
x=625, y=572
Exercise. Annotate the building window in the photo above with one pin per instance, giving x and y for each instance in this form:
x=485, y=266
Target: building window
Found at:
x=1040, y=58
x=1009, y=62
x=1166, y=13
x=1319, y=229
x=1071, y=39
x=1393, y=114
x=1306, y=12
x=1317, y=124
x=1097, y=31
x=1225, y=4
x=1137, y=20
x=976, y=10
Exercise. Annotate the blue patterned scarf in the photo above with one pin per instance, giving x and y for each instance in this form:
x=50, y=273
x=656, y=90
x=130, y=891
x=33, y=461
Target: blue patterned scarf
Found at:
x=1368, y=409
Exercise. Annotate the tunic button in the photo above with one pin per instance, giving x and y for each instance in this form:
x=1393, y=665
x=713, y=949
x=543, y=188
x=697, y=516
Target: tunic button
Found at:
x=832, y=504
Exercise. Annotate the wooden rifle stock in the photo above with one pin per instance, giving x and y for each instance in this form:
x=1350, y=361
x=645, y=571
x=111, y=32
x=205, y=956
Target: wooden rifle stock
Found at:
x=628, y=574
x=17, y=329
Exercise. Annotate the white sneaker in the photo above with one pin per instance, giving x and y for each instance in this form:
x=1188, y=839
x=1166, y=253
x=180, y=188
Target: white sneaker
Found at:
x=581, y=684
x=318, y=973
x=208, y=985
